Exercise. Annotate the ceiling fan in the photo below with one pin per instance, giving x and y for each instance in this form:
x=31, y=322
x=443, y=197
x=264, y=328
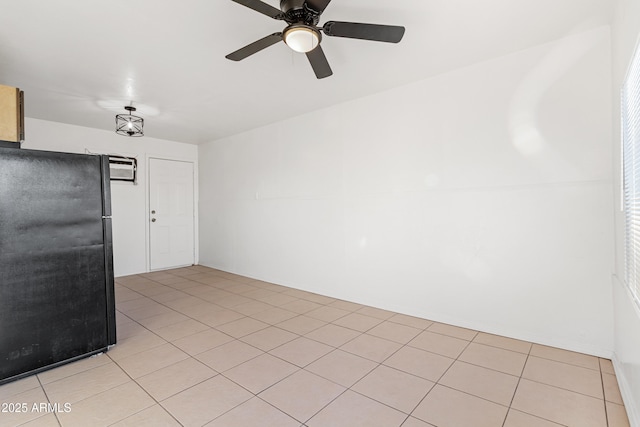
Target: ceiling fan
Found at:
x=303, y=35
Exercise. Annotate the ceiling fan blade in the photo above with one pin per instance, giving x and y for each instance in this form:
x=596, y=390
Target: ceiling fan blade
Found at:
x=319, y=63
x=318, y=5
x=353, y=30
x=255, y=47
x=261, y=7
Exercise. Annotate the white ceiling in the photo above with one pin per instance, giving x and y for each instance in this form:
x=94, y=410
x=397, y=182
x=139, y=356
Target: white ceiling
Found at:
x=81, y=61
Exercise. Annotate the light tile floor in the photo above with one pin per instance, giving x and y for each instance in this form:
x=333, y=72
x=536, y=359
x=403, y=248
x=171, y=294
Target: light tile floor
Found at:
x=198, y=346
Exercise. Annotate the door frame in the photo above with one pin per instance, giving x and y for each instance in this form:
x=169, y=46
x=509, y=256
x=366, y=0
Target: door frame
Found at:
x=147, y=205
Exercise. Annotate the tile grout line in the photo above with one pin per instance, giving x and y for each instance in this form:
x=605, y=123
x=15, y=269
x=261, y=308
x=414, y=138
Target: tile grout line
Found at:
x=48, y=400
x=604, y=396
x=437, y=382
x=564, y=389
x=145, y=391
x=83, y=372
x=564, y=363
x=520, y=378
x=517, y=385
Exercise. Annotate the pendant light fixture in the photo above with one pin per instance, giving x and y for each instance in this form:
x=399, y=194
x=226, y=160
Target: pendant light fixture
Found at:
x=128, y=124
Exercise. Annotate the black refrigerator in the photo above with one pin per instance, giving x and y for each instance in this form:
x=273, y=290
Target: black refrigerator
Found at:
x=56, y=260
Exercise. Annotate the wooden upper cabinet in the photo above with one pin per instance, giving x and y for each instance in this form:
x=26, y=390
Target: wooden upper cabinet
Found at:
x=11, y=114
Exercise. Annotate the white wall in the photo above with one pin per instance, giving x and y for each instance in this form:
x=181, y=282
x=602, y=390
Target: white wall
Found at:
x=481, y=197
x=625, y=35
x=128, y=200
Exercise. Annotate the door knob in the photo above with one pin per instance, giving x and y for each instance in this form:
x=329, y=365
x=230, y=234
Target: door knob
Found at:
x=153, y=212
x=153, y=220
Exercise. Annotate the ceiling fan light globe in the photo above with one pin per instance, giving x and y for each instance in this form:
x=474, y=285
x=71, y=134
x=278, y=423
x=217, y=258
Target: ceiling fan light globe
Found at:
x=301, y=39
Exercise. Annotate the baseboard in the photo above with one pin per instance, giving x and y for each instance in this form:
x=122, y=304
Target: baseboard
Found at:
x=633, y=410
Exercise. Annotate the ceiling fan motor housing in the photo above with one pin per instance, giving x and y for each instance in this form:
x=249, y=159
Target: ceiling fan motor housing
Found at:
x=296, y=11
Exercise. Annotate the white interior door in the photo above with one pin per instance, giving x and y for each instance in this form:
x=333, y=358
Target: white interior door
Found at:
x=171, y=214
